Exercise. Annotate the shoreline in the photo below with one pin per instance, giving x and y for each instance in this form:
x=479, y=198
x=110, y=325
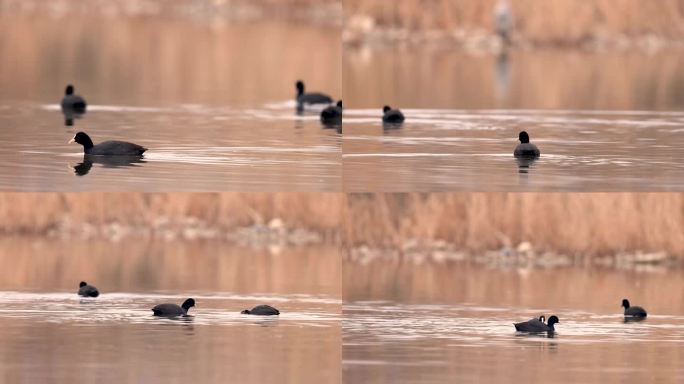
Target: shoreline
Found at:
x=524, y=256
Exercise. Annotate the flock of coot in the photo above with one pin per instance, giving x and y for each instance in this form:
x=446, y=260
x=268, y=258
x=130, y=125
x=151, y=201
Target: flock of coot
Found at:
x=538, y=325
x=331, y=116
x=174, y=310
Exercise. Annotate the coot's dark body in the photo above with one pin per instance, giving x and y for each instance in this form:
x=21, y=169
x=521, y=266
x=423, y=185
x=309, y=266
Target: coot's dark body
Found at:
x=633, y=311
x=536, y=325
x=261, y=310
x=107, y=148
x=173, y=309
x=390, y=115
x=525, y=148
x=311, y=97
x=72, y=102
x=86, y=290
x=332, y=114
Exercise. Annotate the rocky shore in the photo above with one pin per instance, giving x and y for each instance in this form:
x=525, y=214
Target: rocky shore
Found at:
x=275, y=232
x=524, y=255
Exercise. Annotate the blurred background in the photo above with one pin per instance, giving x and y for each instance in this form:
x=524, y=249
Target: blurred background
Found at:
x=147, y=52
x=207, y=85
x=433, y=282
x=565, y=54
x=228, y=251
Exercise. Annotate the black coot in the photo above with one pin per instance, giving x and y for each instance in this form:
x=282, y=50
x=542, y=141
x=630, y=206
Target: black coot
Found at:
x=537, y=325
x=332, y=115
x=71, y=102
x=107, y=148
x=525, y=148
x=633, y=311
x=261, y=310
x=86, y=290
x=173, y=309
x=390, y=115
x=311, y=97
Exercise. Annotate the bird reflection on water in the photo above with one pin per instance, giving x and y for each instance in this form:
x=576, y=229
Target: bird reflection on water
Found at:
x=83, y=168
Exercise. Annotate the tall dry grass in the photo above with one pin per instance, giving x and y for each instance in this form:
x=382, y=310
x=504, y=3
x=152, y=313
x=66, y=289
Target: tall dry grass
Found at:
x=38, y=213
x=571, y=223
x=538, y=21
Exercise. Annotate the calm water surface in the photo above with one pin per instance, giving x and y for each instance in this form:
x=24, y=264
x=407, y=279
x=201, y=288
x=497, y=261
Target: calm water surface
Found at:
x=213, y=102
x=454, y=323
x=49, y=334
x=190, y=148
x=606, y=121
x=473, y=150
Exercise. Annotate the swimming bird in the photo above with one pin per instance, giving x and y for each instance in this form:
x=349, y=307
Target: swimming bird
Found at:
x=86, y=290
x=525, y=148
x=633, y=311
x=261, y=310
x=536, y=325
x=107, y=148
x=390, y=115
x=173, y=309
x=310, y=98
x=72, y=102
x=332, y=114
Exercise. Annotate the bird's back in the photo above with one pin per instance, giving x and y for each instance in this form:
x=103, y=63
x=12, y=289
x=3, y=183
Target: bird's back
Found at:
x=635, y=311
x=264, y=310
x=88, y=291
x=526, y=150
x=393, y=116
x=167, y=309
x=73, y=102
x=119, y=148
x=533, y=325
x=314, y=98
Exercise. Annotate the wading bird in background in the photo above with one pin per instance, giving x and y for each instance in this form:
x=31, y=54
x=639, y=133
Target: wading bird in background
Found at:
x=503, y=21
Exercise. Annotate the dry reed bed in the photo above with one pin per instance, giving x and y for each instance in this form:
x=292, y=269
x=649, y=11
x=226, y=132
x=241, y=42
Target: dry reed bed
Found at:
x=327, y=12
x=586, y=224
x=557, y=22
x=45, y=213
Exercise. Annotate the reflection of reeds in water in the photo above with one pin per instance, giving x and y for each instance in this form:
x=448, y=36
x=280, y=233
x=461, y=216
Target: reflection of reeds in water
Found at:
x=430, y=282
x=570, y=223
x=153, y=61
x=42, y=213
x=174, y=266
x=560, y=22
x=537, y=79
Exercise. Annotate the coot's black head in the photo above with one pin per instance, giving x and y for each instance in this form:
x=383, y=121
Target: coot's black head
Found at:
x=542, y=318
x=524, y=137
x=625, y=303
x=300, y=87
x=245, y=312
x=187, y=304
x=386, y=108
x=553, y=320
x=339, y=103
x=69, y=90
x=82, y=284
x=83, y=139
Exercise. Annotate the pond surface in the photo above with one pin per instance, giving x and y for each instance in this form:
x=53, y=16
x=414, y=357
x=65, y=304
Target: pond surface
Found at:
x=190, y=148
x=610, y=121
x=50, y=333
x=213, y=102
x=441, y=150
x=454, y=322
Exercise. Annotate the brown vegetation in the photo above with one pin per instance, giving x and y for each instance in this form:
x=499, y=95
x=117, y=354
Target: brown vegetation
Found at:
x=557, y=22
x=571, y=223
x=41, y=213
